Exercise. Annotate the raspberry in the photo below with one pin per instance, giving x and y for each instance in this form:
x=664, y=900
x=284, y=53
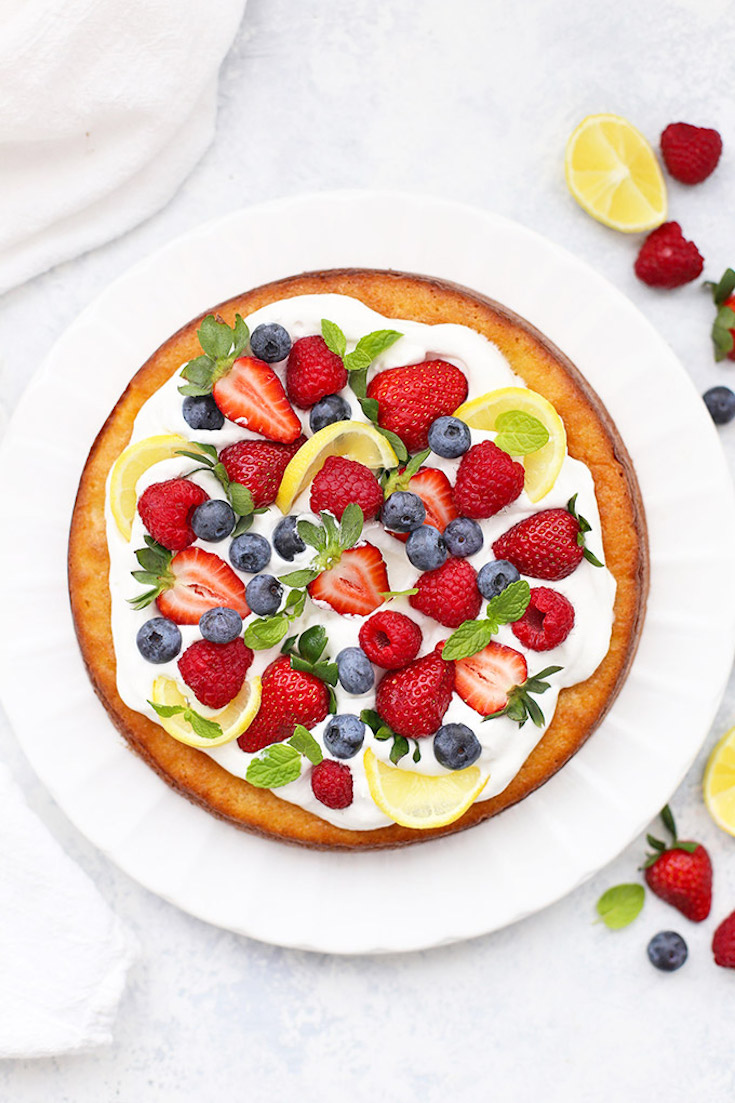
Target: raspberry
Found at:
x=259, y=466
x=547, y=621
x=331, y=783
x=723, y=943
x=215, y=671
x=667, y=259
x=449, y=594
x=690, y=152
x=487, y=480
x=342, y=481
x=390, y=639
x=413, y=700
x=165, y=509
x=313, y=372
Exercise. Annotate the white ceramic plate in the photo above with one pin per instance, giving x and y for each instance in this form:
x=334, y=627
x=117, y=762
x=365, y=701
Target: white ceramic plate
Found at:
x=532, y=854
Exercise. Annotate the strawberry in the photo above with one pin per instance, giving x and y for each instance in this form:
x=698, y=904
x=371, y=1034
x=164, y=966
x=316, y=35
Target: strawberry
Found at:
x=723, y=329
x=487, y=480
x=485, y=680
x=356, y=584
x=667, y=259
x=413, y=700
x=215, y=671
x=331, y=783
x=435, y=491
x=313, y=372
x=390, y=639
x=251, y=394
x=690, y=153
x=547, y=621
x=412, y=397
x=680, y=874
x=341, y=481
x=185, y=586
x=549, y=544
x=723, y=943
x=259, y=465
x=449, y=594
x=289, y=697
x=165, y=509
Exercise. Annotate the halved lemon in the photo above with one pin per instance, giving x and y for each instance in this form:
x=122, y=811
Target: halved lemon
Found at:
x=130, y=465
x=422, y=800
x=542, y=467
x=614, y=175
x=357, y=440
x=234, y=718
x=719, y=783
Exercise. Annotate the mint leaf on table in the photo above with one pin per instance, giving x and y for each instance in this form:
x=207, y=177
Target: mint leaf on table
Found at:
x=620, y=905
x=278, y=764
x=520, y=433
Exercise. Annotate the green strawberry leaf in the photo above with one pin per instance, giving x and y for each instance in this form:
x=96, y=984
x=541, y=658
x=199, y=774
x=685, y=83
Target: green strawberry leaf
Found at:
x=199, y=370
x=396, y=443
x=350, y=527
x=295, y=602
x=722, y=336
x=208, y=449
x=278, y=765
x=241, y=336
x=358, y=384
x=215, y=337
x=724, y=289
x=313, y=535
x=312, y=643
x=194, y=389
x=327, y=671
x=520, y=433
x=620, y=905
x=334, y=338
x=399, y=749
x=244, y=524
x=371, y=408
x=306, y=744
x=298, y=579
x=416, y=756
x=241, y=499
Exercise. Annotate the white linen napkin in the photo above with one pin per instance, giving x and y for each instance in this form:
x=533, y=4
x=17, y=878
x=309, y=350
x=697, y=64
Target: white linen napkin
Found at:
x=105, y=107
x=64, y=956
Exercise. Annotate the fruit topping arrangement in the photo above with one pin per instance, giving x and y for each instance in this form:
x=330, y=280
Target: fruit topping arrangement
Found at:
x=295, y=538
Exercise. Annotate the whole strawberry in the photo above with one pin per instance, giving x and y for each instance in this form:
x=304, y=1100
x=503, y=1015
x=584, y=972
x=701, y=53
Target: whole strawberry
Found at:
x=690, y=153
x=681, y=874
x=413, y=700
x=449, y=594
x=487, y=480
x=259, y=466
x=165, y=509
x=342, y=481
x=215, y=671
x=667, y=259
x=313, y=372
x=548, y=545
x=411, y=398
x=723, y=943
x=288, y=697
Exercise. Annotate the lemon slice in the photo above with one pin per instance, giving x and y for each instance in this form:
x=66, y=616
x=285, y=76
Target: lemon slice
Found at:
x=234, y=718
x=357, y=440
x=719, y=783
x=422, y=800
x=613, y=173
x=542, y=467
x=130, y=465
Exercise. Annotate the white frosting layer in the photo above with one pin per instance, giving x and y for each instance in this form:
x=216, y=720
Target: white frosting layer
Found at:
x=591, y=590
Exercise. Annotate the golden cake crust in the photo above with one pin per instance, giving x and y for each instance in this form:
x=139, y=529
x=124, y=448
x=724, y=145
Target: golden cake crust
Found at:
x=592, y=437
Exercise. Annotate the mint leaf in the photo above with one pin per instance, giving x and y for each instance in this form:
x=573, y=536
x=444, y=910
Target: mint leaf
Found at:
x=278, y=764
x=167, y=710
x=295, y=603
x=357, y=361
x=209, y=449
x=350, y=528
x=266, y=632
x=312, y=642
x=520, y=433
x=468, y=639
x=306, y=744
x=298, y=579
x=334, y=338
x=215, y=337
x=620, y=905
x=358, y=385
x=372, y=344
x=201, y=726
x=372, y=718
x=510, y=604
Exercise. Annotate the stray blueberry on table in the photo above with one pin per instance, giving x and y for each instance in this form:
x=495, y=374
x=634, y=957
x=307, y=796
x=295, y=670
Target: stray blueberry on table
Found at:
x=270, y=343
x=159, y=640
x=263, y=594
x=449, y=437
x=667, y=951
x=456, y=746
x=250, y=552
x=403, y=511
x=328, y=410
x=720, y=401
x=220, y=625
x=202, y=412
x=426, y=549
x=344, y=735
x=213, y=520
x=286, y=539
x=355, y=671
x=493, y=578
x=463, y=537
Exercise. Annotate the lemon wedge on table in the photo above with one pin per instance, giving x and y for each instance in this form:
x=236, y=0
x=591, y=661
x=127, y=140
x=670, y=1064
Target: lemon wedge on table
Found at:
x=234, y=718
x=128, y=468
x=422, y=800
x=719, y=783
x=357, y=440
x=542, y=467
x=613, y=173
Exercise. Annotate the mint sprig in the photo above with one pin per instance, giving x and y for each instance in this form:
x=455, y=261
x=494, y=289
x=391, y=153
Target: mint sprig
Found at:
x=519, y=433
x=383, y=732
x=308, y=656
x=200, y=725
x=584, y=527
x=221, y=346
x=620, y=905
x=280, y=763
x=265, y=632
x=473, y=635
x=240, y=498
x=156, y=573
x=521, y=705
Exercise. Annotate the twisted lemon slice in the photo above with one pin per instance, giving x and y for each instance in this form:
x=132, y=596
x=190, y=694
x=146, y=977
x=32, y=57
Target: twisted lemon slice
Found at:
x=422, y=800
x=234, y=718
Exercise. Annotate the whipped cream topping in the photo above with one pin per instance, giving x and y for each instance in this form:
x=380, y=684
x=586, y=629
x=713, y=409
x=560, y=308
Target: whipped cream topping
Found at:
x=591, y=590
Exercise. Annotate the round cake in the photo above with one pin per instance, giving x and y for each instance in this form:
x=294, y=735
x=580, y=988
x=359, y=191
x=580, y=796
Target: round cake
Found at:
x=358, y=559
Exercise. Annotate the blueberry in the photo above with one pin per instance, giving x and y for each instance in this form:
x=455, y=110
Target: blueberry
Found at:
x=667, y=950
x=220, y=625
x=720, y=401
x=426, y=549
x=449, y=437
x=344, y=735
x=250, y=552
x=355, y=670
x=213, y=520
x=159, y=640
x=493, y=578
x=286, y=539
x=328, y=410
x=202, y=412
x=270, y=343
x=463, y=537
x=403, y=511
x=263, y=594
x=456, y=746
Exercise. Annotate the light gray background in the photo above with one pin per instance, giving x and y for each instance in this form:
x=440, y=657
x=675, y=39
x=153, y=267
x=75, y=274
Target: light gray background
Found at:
x=472, y=100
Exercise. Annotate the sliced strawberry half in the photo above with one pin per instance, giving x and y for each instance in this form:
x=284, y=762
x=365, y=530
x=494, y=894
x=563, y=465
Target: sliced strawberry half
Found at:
x=485, y=680
x=252, y=395
x=356, y=584
x=199, y=580
x=435, y=491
